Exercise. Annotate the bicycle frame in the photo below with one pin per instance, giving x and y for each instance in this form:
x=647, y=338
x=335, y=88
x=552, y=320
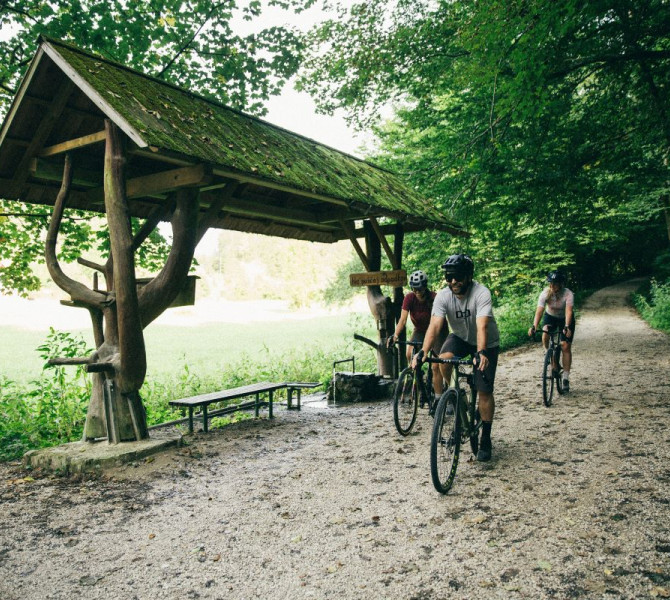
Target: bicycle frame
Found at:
x=467, y=402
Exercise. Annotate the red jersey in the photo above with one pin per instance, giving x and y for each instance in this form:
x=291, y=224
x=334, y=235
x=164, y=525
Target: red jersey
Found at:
x=419, y=311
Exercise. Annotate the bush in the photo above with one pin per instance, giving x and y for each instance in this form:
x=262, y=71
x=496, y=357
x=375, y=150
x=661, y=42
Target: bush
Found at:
x=654, y=305
x=50, y=410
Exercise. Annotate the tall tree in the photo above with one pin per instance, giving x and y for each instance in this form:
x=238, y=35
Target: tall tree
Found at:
x=542, y=125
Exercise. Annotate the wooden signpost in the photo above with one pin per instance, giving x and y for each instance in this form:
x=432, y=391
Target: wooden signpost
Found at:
x=393, y=278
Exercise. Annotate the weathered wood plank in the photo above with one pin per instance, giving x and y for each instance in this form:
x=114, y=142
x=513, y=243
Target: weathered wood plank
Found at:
x=79, y=142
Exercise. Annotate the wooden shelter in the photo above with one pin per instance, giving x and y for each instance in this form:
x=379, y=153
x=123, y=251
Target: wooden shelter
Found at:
x=95, y=135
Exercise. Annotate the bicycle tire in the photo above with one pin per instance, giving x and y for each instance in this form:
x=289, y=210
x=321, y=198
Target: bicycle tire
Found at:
x=475, y=419
x=547, y=379
x=445, y=443
x=559, y=371
x=405, y=402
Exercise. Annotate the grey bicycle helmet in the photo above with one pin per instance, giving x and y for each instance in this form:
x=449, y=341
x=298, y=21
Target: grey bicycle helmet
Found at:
x=556, y=277
x=459, y=265
x=418, y=280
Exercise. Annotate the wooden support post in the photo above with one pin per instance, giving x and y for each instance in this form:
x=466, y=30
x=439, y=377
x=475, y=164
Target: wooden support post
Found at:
x=398, y=294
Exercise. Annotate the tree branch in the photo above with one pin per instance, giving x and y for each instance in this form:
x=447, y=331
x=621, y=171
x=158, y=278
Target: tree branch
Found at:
x=77, y=291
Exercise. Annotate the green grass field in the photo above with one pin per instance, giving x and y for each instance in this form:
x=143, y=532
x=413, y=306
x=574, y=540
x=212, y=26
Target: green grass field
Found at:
x=206, y=349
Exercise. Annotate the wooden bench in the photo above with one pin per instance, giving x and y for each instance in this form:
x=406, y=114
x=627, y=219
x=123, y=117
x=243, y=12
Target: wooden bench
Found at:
x=298, y=386
x=204, y=400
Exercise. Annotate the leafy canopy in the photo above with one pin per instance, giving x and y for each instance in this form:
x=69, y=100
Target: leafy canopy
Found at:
x=542, y=126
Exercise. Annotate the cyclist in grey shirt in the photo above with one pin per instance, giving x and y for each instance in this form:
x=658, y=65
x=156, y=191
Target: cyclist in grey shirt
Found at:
x=467, y=307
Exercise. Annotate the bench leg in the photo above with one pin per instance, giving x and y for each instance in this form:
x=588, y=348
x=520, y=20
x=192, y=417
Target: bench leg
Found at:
x=289, y=398
x=299, y=394
x=190, y=419
x=204, y=418
x=270, y=407
x=257, y=402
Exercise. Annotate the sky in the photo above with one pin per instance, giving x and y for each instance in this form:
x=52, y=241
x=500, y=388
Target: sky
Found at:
x=295, y=110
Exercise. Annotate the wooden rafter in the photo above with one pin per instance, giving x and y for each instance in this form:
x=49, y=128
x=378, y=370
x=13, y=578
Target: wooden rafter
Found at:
x=41, y=134
x=350, y=232
x=79, y=142
x=385, y=245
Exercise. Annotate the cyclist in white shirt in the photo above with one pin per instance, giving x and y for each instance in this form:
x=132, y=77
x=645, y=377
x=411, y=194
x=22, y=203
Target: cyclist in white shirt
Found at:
x=467, y=308
x=557, y=304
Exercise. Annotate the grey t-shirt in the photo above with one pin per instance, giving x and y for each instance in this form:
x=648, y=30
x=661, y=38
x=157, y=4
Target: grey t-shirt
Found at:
x=462, y=314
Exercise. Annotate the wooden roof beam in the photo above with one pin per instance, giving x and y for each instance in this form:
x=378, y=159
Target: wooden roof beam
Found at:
x=80, y=142
x=42, y=132
x=248, y=208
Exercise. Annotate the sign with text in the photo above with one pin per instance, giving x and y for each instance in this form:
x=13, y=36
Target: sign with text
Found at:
x=392, y=278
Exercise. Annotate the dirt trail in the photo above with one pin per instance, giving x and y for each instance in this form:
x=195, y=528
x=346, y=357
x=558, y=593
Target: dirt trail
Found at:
x=332, y=503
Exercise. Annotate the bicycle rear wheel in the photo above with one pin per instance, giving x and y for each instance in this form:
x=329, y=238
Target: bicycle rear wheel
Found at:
x=405, y=401
x=547, y=379
x=445, y=443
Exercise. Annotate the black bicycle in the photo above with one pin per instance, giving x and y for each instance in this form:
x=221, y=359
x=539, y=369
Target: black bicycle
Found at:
x=552, y=371
x=412, y=390
x=456, y=421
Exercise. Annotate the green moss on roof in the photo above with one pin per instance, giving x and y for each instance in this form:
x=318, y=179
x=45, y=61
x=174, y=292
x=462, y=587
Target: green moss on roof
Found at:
x=179, y=121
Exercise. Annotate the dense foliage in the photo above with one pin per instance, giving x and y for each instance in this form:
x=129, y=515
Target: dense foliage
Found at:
x=542, y=126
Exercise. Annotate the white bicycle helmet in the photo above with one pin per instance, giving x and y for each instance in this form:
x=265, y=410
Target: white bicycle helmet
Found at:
x=418, y=280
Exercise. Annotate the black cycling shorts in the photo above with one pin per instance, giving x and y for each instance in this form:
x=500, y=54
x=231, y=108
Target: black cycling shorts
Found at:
x=484, y=380
x=559, y=323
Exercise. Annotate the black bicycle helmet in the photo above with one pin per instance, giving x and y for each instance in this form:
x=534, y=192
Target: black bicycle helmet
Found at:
x=459, y=265
x=556, y=277
x=418, y=280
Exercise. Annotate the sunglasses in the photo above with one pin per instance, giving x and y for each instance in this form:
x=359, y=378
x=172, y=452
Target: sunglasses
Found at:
x=454, y=277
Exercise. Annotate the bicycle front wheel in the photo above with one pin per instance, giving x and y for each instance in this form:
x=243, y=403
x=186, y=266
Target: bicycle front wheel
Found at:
x=445, y=443
x=405, y=402
x=547, y=379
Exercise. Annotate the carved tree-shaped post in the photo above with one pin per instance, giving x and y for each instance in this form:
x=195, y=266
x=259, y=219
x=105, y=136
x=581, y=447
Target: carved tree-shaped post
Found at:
x=380, y=305
x=119, y=313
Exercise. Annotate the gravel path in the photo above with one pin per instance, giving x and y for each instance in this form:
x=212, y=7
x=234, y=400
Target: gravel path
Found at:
x=333, y=503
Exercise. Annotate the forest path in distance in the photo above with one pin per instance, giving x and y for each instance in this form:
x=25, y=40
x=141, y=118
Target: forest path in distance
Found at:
x=333, y=503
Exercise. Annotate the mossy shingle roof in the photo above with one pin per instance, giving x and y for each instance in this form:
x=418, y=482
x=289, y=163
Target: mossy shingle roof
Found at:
x=174, y=121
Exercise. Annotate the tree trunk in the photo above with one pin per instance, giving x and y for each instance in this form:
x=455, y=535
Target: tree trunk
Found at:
x=119, y=313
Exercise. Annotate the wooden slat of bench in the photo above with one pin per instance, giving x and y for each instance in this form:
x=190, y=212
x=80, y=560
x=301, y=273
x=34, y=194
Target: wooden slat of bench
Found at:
x=204, y=400
x=297, y=386
x=231, y=394
x=303, y=384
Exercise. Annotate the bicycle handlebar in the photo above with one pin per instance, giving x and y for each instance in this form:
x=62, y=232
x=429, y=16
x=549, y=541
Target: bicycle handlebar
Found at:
x=449, y=361
x=409, y=343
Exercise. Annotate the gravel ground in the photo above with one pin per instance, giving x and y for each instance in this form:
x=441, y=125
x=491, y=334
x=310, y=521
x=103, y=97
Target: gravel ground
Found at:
x=333, y=503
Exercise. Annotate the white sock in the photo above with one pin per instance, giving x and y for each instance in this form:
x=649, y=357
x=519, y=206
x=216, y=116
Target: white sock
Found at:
x=566, y=374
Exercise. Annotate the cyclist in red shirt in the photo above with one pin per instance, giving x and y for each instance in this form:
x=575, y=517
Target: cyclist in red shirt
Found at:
x=418, y=305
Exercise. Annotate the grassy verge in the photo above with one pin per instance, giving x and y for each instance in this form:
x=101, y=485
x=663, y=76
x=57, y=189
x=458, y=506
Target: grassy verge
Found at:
x=48, y=407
